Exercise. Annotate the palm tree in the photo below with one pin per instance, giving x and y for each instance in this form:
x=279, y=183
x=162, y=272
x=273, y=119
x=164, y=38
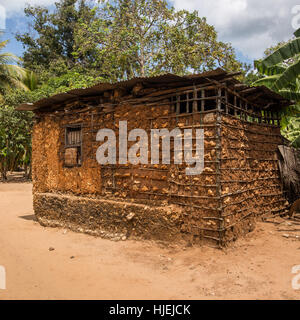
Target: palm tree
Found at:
x=282, y=74
x=15, y=146
x=11, y=75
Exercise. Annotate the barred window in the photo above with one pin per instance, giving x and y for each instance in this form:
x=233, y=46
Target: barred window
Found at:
x=73, y=145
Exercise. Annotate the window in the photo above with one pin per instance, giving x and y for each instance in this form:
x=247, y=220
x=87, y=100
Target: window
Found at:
x=73, y=145
x=197, y=100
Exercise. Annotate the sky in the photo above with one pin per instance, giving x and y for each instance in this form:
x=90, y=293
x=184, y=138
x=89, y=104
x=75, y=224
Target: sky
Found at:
x=250, y=26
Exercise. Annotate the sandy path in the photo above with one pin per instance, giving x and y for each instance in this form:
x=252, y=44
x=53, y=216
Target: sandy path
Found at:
x=257, y=267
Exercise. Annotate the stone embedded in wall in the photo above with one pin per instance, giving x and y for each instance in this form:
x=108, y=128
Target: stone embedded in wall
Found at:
x=94, y=215
x=95, y=198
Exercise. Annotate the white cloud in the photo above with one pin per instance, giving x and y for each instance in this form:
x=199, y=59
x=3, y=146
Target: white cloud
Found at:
x=16, y=7
x=250, y=25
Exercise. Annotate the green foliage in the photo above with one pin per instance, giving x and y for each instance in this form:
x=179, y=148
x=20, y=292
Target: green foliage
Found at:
x=15, y=139
x=146, y=38
x=55, y=85
x=249, y=75
x=30, y=80
x=83, y=42
x=49, y=49
x=121, y=39
x=292, y=131
x=281, y=67
x=11, y=75
x=281, y=70
x=15, y=126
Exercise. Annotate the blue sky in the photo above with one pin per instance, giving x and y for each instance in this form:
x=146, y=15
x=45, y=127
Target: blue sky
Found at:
x=250, y=25
x=11, y=28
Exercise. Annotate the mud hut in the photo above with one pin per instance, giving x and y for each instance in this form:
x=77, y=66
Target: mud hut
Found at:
x=240, y=181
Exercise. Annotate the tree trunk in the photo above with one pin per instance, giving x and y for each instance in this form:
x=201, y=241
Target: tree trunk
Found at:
x=4, y=174
x=25, y=170
x=28, y=171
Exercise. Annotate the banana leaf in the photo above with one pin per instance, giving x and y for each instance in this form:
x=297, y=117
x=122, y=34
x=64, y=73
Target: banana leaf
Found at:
x=266, y=81
x=285, y=52
x=297, y=33
x=290, y=95
x=288, y=76
x=296, y=142
x=274, y=70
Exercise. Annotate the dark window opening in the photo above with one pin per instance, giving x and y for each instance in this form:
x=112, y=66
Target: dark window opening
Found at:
x=191, y=102
x=173, y=101
x=199, y=103
x=210, y=105
x=184, y=103
x=73, y=146
x=210, y=93
x=210, y=102
x=231, y=104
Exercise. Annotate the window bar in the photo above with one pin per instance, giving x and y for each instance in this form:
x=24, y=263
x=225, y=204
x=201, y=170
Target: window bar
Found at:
x=260, y=120
x=235, y=102
x=241, y=111
x=177, y=106
x=187, y=103
x=273, y=118
x=203, y=100
x=195, y=107
x=278, y=119
x=226, y=101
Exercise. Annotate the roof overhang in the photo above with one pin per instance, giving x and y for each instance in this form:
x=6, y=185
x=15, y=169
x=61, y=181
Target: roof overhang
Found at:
x=170, y=80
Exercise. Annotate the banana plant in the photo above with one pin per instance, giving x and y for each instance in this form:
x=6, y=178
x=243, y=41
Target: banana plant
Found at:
x=282, y=74
x=292, y=131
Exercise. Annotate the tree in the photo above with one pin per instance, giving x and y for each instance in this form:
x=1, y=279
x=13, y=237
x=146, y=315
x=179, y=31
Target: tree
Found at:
x=148, y=37
x=49, y=47
x=15, y=139
x=281, y=70
x=121, y=39
x=15, y=126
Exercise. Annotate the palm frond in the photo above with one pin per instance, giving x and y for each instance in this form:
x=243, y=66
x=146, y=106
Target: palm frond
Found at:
x=3, y=43
x=8, y=58
x=30, y=80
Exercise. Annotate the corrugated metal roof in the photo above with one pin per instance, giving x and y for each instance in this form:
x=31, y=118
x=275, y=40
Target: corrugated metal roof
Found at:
x=166, y=79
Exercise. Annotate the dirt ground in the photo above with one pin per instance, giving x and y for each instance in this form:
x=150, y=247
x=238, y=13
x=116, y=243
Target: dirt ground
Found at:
x=84, y=267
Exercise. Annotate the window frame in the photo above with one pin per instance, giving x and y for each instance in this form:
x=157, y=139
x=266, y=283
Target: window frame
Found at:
x=76, y=145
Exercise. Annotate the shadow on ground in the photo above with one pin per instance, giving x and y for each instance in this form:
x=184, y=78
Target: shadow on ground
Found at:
x=30, y=217
x=15, y=177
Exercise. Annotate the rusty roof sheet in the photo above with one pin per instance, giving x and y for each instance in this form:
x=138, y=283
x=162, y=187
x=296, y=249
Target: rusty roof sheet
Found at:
x=164, y=79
